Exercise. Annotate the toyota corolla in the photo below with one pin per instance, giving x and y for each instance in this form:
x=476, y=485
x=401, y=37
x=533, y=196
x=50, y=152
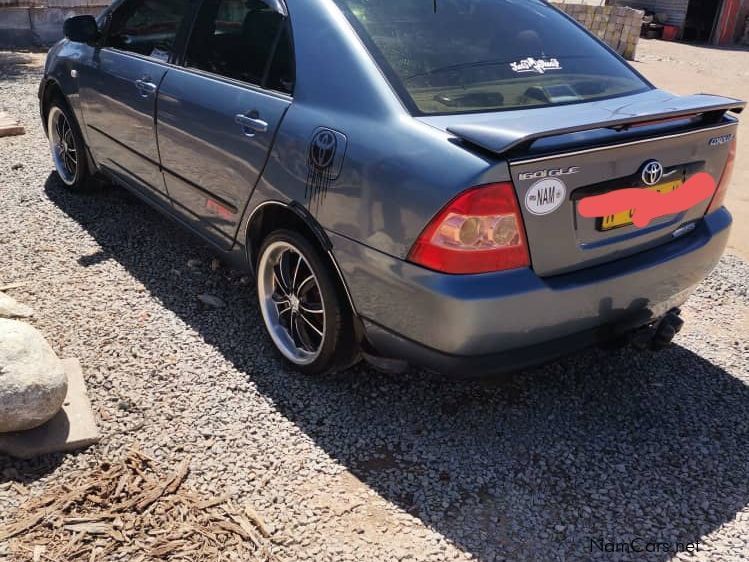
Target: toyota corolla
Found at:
x=473, y=186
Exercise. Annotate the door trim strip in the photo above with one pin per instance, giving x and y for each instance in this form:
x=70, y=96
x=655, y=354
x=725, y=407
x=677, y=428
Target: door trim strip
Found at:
x=123, y=145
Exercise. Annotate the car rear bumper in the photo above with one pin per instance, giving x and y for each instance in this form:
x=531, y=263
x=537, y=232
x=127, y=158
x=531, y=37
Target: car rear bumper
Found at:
x=477, y=324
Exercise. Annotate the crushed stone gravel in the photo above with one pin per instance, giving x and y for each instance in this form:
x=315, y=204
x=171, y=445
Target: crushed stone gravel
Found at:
x=601, y=447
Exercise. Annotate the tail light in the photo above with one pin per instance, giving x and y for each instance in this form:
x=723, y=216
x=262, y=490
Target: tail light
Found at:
x=725, y=180
x=479, y=231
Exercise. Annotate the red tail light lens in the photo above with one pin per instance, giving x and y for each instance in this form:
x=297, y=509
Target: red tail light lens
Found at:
x=725, y=180
x=479, y=231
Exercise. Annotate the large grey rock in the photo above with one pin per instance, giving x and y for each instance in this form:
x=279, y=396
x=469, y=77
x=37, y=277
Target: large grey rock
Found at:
x=9, y=308
x=72, y=428
x=33, y=382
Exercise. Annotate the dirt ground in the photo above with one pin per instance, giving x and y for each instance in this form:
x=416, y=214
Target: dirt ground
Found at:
x=690, y=69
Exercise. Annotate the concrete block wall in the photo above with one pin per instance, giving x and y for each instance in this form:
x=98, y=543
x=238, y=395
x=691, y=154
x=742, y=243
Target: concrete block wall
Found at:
x=617, y=26
x=52, y=3
x=31, y=23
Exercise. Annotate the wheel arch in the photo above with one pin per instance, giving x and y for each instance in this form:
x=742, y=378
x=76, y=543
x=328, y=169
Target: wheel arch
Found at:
x=48, y=90
x=271, y=215
x=51, y=89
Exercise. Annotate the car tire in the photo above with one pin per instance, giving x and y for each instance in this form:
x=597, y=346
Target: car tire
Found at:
x=67, y=146
x=304, y=307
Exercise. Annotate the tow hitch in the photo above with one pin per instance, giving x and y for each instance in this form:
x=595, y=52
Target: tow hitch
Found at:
x=659, y=334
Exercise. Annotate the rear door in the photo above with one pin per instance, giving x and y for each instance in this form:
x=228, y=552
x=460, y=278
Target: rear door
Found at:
x=217, y=116
x=118, y=89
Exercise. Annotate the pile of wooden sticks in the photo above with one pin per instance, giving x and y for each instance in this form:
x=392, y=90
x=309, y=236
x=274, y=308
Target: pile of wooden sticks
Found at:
x=132, y=511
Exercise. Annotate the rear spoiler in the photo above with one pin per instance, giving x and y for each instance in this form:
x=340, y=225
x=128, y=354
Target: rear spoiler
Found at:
x=504, y=132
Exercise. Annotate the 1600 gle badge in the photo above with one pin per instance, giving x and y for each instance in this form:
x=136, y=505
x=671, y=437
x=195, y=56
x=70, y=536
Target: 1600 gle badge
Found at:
x=554, y=172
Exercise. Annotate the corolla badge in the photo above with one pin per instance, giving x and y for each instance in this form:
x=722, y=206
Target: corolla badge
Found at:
x=717, y=141
x=545, y=196
x=652, y=172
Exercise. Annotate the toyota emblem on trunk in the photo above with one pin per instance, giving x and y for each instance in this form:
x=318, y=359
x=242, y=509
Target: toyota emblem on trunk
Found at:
x=652, y=172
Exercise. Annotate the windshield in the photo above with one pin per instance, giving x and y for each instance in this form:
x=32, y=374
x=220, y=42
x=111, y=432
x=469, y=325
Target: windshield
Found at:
x=454, y=56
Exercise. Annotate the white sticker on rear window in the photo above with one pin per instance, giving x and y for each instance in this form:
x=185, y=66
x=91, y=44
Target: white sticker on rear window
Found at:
x=535, y=65
x=545, y=196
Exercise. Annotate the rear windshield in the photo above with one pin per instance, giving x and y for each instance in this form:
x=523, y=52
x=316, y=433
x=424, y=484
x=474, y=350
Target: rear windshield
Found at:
x=457, y=56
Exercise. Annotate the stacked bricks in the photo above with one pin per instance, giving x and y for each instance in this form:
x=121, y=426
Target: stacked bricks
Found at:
x=617, y=26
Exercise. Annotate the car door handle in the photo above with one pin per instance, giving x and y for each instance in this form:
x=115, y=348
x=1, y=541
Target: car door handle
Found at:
x=145, y=87
x=250, y=125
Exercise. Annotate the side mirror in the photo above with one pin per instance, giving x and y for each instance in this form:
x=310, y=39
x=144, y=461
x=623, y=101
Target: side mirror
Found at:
x=81, y=29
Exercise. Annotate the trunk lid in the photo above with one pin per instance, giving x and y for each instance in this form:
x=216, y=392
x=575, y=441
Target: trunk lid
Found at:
x=563, y=240
x=595, y=148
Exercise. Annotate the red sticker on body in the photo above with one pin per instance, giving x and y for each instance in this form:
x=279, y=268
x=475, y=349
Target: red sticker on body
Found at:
x=646, y=205
x=218, y=209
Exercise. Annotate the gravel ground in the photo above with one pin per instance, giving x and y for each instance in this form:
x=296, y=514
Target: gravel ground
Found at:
x=605, y=445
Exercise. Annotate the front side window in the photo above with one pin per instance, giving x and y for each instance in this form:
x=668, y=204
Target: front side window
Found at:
x=244, y=40
x=454, y=56
x=147, y=27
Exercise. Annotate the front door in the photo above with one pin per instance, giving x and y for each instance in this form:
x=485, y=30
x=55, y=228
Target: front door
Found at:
x=118, y=89
x=217, y=117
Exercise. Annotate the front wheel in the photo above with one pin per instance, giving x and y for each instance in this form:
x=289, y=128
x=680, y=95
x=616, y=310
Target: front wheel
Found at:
x=67, y=146
x=303, y=306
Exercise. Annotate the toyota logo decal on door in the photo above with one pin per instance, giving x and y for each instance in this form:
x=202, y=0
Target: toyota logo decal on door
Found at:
x=652, y=172
x=323, y=149
x=324, y=162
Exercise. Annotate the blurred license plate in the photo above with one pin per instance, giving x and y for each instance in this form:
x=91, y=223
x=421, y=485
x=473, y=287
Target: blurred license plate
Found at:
x=625, y=217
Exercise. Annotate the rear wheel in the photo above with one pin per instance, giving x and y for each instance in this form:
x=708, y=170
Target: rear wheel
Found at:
x=303, y=306
x=67, y=146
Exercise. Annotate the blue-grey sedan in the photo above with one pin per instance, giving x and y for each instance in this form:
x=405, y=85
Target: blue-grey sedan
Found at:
x=473, y=186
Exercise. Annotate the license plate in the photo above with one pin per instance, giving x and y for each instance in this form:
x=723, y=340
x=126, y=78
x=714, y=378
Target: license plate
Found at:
x=625, y=217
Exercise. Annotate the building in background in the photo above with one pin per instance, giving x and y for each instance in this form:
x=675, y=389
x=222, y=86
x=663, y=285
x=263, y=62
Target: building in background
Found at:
x=719, y=22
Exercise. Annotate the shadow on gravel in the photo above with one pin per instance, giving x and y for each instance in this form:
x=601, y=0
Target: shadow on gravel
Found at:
x=27, y=471
x=17, y=64
x=603, y=446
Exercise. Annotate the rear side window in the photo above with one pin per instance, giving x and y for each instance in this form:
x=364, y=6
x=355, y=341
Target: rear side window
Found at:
x=245, y=40
x=454, y=56
x=147, y=27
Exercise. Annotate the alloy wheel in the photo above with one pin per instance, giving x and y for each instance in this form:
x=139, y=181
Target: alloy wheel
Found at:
x=291, y=303
x=63, y=146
